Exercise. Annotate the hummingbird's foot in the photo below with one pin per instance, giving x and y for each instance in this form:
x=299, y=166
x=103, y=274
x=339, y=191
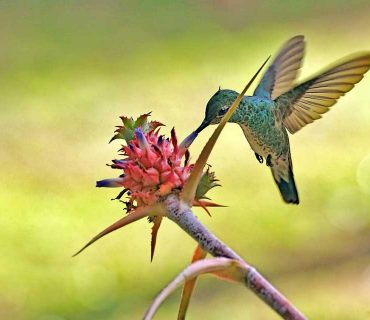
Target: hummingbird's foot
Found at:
x=258, y=157
x=269, y=161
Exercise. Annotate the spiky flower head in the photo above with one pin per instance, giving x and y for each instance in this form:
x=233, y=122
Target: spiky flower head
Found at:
x=153, y=167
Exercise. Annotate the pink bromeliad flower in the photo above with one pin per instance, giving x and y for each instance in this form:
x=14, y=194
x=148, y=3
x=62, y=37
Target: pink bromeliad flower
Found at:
x=153, y=167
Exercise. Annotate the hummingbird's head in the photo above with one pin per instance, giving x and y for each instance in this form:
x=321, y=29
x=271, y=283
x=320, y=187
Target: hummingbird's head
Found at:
x=217, y=106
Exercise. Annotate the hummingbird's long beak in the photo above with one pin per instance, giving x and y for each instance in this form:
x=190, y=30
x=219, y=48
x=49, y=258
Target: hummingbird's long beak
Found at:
x=204, y=125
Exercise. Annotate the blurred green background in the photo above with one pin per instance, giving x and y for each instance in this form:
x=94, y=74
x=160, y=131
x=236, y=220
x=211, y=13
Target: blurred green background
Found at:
x=70, y=68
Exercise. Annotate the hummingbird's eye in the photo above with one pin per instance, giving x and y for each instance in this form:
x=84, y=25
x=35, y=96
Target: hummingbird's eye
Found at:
x=223, y=110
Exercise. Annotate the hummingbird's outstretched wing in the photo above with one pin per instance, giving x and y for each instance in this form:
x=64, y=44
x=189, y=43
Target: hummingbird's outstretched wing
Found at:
x=280, y=76
x=307, y=101
x=282, y=171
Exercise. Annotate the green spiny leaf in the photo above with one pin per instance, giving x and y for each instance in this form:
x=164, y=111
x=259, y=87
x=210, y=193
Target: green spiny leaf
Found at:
x=206, y=183
x=127, y=131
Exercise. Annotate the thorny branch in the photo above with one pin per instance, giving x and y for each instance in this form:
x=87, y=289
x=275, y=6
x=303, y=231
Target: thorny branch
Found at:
x=181, y=214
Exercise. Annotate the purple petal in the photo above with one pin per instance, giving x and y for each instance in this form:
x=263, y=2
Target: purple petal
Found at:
x=110, y=183
x=188, y=141
x=143, y=143
x=118, y=164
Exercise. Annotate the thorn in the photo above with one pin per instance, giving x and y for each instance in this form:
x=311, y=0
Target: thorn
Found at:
x=156, y=224
x=132, y=217
x=120, y=195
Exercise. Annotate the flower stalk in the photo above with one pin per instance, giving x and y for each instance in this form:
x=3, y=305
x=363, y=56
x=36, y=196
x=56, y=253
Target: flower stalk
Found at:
x=180, y=213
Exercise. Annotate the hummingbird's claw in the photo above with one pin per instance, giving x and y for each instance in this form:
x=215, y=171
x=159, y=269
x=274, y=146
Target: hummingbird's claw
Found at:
x=269, y=161
x=258, y=157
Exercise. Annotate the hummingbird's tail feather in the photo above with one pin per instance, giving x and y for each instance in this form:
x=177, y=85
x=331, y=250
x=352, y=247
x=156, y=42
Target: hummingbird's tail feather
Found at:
x=282, y=171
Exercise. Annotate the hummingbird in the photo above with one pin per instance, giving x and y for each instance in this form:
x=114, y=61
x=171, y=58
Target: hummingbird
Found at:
x=279, y=105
